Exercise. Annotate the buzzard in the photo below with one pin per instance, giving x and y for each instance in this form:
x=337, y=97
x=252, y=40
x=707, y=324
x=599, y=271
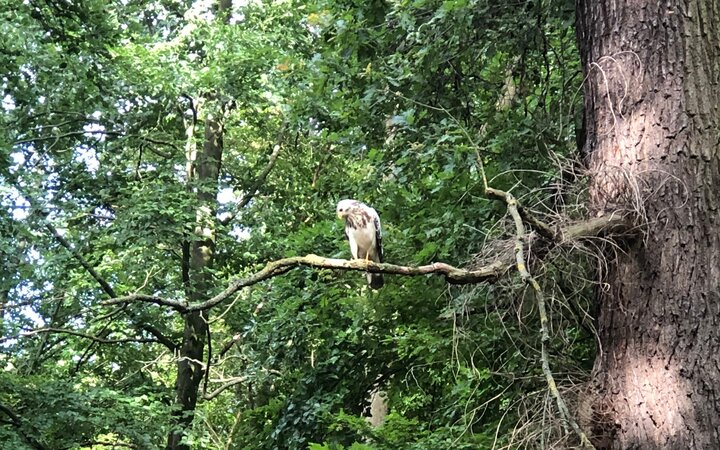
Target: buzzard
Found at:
x=362, y=229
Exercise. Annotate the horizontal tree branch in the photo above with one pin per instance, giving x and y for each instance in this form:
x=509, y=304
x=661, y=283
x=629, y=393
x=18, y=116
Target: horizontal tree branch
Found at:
x=120, y=134
x=113, y=444
x=272, y=269
x=607, y=224
x=453, y=275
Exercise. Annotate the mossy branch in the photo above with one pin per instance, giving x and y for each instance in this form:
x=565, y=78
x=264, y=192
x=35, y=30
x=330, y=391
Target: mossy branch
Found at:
x=272, y=269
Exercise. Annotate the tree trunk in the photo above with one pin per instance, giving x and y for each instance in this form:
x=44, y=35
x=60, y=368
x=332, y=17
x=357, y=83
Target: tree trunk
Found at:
x=651, y=99
x=203, y=175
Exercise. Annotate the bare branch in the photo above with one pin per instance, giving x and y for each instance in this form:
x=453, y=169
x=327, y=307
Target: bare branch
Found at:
x=525, y=275
x=178, y=305
x=115, y=444
x=452, y=274
x=225, y=386
x=272, y=269
x=609, y=223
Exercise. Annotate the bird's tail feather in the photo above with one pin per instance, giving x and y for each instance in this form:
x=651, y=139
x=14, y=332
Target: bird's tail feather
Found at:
x=375, y=280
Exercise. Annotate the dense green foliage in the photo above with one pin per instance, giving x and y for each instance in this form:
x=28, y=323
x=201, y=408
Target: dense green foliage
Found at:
x=388, y=102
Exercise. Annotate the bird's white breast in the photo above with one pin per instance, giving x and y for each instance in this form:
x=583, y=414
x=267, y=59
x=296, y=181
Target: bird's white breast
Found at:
x=362, y=240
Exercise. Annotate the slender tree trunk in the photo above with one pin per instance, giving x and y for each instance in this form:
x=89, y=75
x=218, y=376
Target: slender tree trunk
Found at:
x=652, y=119
x=203, y=171
x=203, y=176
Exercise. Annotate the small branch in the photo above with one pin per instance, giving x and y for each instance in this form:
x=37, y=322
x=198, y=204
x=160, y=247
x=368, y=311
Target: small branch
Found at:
x=91, y=337
x=228, y=345
x=11, y=414
x=100, y=280
x=260, y=180
x=225, y=386
x=542, y=228
x=525, y=275
x=318, y=168
x=57, y=137
x=43, y=341
x=159, y=336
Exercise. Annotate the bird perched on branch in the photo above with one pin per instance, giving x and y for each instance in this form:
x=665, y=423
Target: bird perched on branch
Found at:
x=362, y=229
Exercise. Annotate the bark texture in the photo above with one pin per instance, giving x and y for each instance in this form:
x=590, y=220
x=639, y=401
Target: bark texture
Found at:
x=651, y=99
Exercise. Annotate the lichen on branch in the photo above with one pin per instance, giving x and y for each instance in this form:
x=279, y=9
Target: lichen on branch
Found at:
x=272, y=269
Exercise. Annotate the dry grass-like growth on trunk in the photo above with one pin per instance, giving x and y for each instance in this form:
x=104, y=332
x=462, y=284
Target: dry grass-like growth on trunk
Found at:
x=569, y=270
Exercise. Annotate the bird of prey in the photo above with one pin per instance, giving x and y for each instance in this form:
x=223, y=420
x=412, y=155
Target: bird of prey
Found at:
x=362, y=229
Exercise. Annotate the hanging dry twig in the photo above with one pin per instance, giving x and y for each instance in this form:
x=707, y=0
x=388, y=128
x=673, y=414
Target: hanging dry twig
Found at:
x=525, y=275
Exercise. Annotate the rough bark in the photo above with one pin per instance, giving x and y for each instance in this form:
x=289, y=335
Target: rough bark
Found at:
x=651, y=99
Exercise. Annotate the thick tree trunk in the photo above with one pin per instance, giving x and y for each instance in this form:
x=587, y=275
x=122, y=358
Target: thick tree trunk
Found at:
x=652, y=119
x=203, y=174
